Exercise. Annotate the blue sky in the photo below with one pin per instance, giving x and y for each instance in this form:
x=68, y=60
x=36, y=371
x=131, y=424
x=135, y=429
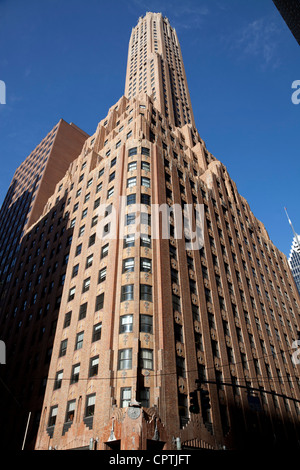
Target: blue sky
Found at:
x=67, y=59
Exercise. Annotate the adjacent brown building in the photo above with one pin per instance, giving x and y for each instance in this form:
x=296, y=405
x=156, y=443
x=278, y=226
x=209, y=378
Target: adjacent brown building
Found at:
x=126, y=320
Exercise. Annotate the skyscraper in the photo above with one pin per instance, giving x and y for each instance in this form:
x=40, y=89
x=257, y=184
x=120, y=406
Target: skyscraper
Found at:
x=143, y=313
x=32, y=184
x=294, y=257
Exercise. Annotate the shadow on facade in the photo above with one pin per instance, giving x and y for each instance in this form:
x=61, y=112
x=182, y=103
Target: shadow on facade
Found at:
x=259, y=430
x=28, y=318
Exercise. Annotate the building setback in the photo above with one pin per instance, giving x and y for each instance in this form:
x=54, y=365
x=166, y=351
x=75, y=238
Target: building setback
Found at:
x=140, y=318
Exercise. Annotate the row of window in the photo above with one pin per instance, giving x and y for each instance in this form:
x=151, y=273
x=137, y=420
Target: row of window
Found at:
x=125, y=399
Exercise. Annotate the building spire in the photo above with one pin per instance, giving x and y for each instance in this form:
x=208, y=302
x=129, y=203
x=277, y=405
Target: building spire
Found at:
x=294, y=232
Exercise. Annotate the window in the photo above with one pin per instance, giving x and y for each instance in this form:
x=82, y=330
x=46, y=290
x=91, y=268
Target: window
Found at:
x=106, y=229
x=145, y=181
x=63, y=348
x=145, y=166
x=67, y=321
x=99, y=302
x=89, y=183
x=130, y=219
x=52, y=416
x=71, y=293
x=58, y=380
x=79, y=340
x=104, y=251
x=94, y=363
x=145, y=397
x=89, y=261
x=113, y=162
x=145, y=265
x=82, y=311
x=145, y=218
x=126, y=322
x=132, y=166
x=86, y=284
x=145, y=199
x=75, y=374
x=146, y=324
x=78, y=250
x=81, y=231
x=146, y=292
x=128, y=265
x=94, y=221
x=90, y=405
x=96, y=203
x=127, y=292
x=132, y=151
x=110, y=192
x=145, y=151
x=75, y=270
x=129, y=240
x=125, y=397
x=125, y=359
x=131, y=199
x=131, y=182
x=92, y=240
x=112, y=176
x=97, y=332
x=146, y=358
x=102, y=275
x=146, y=240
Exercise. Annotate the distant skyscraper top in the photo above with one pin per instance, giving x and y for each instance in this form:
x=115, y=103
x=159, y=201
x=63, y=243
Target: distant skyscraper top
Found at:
x=290, y=12
x=294, y=258
x=155, y=67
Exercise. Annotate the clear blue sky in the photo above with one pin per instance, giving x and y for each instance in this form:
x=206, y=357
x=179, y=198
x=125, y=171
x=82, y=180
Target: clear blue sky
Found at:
x=67, y=59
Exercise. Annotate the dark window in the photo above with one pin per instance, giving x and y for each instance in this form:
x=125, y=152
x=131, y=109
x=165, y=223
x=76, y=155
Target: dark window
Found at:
x=132, y=151
x=67, y=319
x=82, y=311
x=63, y=348
x=146, y=292
x=99, y=302
x=146, y=325
x=127, y=292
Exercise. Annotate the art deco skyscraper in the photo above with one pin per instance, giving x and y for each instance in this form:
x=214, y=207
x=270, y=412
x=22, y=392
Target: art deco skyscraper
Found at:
x=141, y=317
